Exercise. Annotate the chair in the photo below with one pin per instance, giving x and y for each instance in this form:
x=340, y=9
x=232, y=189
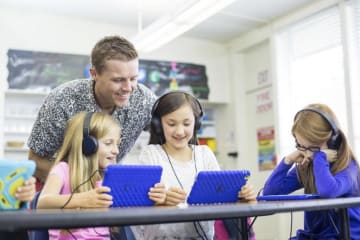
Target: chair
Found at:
x=37, y=234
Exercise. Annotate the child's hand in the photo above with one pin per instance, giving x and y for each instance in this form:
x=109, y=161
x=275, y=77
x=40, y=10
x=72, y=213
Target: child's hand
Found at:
x=158, y=193
x=96, y=198
x=26, y=192
x=296, y=157
x=331, y=155
x=247, y=193
x=174, y=196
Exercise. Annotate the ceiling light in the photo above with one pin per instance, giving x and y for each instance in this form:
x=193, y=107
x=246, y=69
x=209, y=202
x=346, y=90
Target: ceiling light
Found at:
x=174, y=24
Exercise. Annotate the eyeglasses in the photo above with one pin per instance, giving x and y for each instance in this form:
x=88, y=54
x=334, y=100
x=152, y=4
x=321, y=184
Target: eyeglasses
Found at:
x=303, y=148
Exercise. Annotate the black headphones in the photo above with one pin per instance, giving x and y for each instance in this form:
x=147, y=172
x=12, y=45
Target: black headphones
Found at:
x=90, y=143
x=335, y=139
x=156, y=121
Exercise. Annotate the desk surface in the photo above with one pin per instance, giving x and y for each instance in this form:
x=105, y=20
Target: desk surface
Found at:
x=56, y=218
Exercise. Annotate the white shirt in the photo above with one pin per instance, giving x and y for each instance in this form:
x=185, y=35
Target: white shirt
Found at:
x=186, y=171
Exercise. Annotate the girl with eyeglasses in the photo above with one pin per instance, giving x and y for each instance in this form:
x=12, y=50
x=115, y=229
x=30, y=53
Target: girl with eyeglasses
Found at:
x=324, y=164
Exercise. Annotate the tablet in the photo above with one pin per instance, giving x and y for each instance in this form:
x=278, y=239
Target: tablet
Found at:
x=130, y=184
x=13, y=174
x=217, y=186
x=287, y=197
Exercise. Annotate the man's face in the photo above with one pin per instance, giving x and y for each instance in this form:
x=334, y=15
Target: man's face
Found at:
x=115, y=84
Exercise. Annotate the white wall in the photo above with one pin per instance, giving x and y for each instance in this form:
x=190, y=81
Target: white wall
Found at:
x=39, y=32
x=255, y=60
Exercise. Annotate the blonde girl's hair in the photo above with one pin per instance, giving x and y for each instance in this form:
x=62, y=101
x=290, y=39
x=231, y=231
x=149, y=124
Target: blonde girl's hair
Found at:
x=317, y=130
x=84, y=170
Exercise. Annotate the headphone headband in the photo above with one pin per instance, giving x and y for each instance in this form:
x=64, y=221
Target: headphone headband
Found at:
x=335, y=139
x=156, y=103
x=90, y=143
x=87, y=119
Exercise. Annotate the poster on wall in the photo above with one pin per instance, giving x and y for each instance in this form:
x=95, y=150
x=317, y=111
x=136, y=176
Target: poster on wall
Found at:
x=165, y=76
x=43, y=71
x=264, y=101
x=266, y=148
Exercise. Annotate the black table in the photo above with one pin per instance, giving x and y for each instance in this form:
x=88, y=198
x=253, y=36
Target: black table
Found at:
x=74, y=218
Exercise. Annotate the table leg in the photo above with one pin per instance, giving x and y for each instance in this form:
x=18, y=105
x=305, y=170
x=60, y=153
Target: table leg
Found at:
x=345, y=226
x=244, y=229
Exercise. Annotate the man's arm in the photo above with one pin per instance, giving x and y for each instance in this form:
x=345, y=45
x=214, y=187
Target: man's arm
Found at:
x=43, y=165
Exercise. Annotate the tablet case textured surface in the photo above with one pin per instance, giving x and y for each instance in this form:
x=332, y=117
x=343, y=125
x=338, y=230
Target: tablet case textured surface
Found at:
x=130, y=184
x=217, y=186
x=13, y=174
x=287, y=197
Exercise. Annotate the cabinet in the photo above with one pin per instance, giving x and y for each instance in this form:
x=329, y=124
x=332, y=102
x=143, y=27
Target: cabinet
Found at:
x=20, y=110
x=207, y=135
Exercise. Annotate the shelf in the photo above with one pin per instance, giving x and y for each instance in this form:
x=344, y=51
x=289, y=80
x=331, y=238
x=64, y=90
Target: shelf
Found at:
x=10, y=132
x=207, y=103
x=27, y=92
x=17, y=116
x=20, y=112
x=15, y=149
x=207, y=122
x=206, y=136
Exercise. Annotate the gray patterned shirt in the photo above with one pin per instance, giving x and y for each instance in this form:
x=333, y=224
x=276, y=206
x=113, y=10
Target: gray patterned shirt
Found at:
x=75, y=96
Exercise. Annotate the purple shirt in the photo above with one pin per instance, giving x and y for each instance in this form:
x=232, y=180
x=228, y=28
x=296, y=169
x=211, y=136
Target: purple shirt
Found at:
x=345, y=183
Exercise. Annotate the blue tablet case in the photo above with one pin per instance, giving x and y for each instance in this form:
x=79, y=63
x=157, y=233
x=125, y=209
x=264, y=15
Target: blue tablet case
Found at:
x=13, y=174
x=287, y=197
x=130, y=184
x=217, y=186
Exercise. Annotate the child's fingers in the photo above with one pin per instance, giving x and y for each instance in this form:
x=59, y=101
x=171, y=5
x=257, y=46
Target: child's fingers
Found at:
x=25, y=196
x=247, y=192
x=30, y=181
x=159, y=185
x=175, y=196
x=158, y=198
x=102, y=189
x=26, y=192
x=158, y=193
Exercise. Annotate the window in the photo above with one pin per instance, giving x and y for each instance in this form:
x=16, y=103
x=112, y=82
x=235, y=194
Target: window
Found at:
x=310, y=69
x=353, y=36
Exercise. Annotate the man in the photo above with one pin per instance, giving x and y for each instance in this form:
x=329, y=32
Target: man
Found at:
x=113, y=88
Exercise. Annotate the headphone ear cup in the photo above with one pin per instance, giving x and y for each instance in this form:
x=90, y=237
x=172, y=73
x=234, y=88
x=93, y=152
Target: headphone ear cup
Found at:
x=197, y=125
x=156, y=125
x=89, y=145
x=334, y=142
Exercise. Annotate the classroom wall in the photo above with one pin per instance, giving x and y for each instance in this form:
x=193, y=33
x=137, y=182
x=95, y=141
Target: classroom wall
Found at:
x=253, y=116
x=41, y=32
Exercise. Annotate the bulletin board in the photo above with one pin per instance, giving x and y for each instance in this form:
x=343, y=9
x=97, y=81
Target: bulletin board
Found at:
x=44, y=70
x=163, y=76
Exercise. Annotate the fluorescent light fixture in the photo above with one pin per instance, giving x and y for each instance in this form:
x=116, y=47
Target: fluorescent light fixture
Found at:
x=176, y=23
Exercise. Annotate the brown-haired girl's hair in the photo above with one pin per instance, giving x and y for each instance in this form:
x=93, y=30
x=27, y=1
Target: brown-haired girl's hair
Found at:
x=316, y=129
x=169, y=103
